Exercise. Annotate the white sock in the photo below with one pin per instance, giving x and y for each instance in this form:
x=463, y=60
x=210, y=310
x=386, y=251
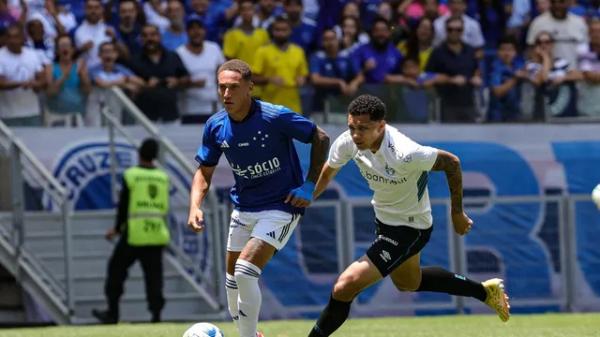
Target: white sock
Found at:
x=250, y=298
x=231, y=289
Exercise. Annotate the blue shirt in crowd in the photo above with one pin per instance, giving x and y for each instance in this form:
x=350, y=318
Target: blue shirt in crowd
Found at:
x=508, y=107
x=387, y=61
x=305, y=35
x=263, y=179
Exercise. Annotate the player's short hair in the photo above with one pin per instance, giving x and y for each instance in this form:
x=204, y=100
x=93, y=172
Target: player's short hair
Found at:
x=367, y=105
x=238, y=66
x=149, y=149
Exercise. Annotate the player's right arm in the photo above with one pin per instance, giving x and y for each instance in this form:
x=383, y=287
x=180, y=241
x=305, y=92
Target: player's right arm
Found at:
x=198, y=192
x=208, y=157
x=327, y=174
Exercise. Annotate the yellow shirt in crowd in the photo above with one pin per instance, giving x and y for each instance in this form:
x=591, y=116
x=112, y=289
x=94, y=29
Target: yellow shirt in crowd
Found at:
x=423, y=54
x=288, y=64
x=237, y=44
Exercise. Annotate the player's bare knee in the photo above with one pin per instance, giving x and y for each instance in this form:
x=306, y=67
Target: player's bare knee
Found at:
x=345, y=288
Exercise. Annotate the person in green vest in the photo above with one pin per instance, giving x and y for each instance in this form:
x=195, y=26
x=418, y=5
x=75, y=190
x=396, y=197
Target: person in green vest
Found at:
x=142, y=225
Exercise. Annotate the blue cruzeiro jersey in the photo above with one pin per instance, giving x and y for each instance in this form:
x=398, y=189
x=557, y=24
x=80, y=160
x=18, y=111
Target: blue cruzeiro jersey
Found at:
x=261, y=153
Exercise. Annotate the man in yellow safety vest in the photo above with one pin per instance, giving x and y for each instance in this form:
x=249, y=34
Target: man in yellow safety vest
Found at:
x=142, y=224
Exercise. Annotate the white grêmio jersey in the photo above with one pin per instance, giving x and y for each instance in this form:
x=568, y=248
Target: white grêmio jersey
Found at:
x=397, y=173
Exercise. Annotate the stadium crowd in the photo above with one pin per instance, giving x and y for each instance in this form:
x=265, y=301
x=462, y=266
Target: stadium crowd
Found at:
x=482, y=60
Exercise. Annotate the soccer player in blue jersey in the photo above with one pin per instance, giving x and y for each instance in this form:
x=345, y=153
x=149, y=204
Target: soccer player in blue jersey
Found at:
x=270, y=192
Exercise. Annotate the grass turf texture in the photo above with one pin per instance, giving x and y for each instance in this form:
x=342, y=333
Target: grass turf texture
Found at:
x=550, y=325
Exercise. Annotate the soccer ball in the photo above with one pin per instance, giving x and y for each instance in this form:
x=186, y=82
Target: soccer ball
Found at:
x=596, y=196
x=203, y=330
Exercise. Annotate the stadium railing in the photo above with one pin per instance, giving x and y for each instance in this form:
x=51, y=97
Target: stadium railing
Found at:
x=170, y=155
x=17, y=255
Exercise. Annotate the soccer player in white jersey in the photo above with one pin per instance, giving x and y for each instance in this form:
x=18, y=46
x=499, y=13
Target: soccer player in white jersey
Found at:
x=396, y=169
x=269, y=194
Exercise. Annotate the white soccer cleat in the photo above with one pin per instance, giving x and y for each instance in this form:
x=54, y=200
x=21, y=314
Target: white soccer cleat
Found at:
x=497, y=298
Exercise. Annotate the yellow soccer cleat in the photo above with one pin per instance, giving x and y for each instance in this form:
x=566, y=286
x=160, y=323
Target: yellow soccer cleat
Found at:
x=497, y=298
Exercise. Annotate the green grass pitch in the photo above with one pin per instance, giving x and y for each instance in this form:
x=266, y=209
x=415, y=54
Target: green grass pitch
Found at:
x=549, y=325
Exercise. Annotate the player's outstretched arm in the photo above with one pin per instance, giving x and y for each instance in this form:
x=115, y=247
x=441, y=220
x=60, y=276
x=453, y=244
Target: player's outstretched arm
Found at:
x=327, y=174
x=198, y=192
x=450, y=164
x=302, y=196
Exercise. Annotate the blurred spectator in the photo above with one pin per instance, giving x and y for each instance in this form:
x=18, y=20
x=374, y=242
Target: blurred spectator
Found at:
x=493, y=17
x=379, y=59
x=128, y=29
x=507, y=75
x=304, y=30
x=201, y=59
x=281, y=67
x=311, y=9
x=65, y=16
x=267, y=11
x=68, y=81
x=332, y=72
x=414, y=76
x=106, y=75
x=241, y=42
x=554, y=80
x=419, y=44
x=457, y=71
x=36, y=39
x=384, y=10
x=156, y=13
x=6, y=19
x=415, y=99
x=21, y=76
x=92, y=32
x=568, y=30
x=350, y=34
x=369, y=11
x=215, y=17
x=330, y=14
x=541, y=7
x=411, y=11
x=519, y=18
x=589, y=64
x=174, y=35
x=46, y=12
x=163, y=74
x=351, y=9
x=472, y=34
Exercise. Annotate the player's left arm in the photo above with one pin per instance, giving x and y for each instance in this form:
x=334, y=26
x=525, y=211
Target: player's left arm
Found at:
x=302, y=196
x=450, y=164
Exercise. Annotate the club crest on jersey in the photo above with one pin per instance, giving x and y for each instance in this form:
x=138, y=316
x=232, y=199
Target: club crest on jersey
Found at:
x=389, y=170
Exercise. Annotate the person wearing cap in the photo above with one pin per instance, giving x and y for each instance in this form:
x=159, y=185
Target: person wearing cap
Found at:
x=201, y=58
x=144, y=232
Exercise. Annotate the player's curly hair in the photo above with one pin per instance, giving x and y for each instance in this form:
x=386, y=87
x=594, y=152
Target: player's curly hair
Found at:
x=367, y=105
x=238, y=66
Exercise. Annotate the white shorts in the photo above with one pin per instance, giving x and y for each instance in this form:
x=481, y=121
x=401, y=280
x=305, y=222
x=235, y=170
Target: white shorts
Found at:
x=273, y=227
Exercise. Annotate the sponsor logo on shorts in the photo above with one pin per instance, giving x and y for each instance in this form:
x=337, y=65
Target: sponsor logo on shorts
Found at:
x=385, y=256
x=386, y=239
